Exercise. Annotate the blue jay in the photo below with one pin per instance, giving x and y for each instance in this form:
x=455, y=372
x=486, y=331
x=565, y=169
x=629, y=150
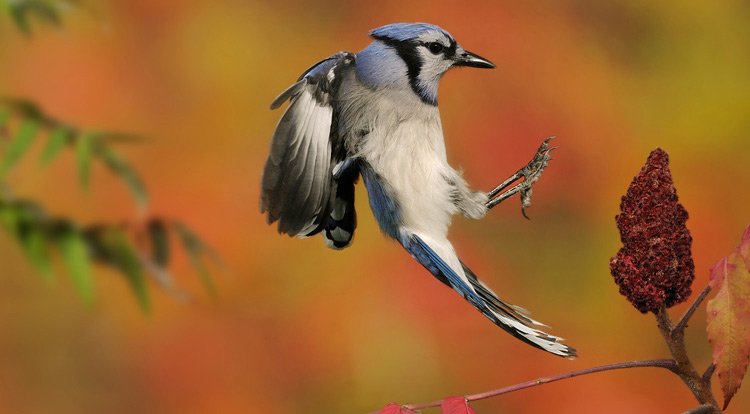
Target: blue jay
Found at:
x=374, y=114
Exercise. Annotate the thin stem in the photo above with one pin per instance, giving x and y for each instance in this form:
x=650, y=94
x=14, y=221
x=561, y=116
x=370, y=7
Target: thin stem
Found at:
x=685, y=369
x=656, y=363
x=681, y=365
x=689, y=313
x=706, y=377
x=701, y=409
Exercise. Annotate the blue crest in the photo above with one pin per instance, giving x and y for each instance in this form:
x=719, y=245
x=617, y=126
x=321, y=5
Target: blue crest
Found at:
x=405, y=31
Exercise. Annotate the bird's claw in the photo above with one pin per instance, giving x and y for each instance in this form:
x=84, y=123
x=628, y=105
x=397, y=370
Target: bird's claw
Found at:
x=530, y=174
x=533, y=171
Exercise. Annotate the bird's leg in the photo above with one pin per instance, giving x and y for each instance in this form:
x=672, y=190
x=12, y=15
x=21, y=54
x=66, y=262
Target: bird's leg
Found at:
x=530, y=174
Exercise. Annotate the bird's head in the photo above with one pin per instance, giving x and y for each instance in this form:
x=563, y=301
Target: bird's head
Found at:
x=426, y=52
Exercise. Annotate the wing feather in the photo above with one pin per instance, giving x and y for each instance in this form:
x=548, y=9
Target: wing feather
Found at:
x=301, y=178
x=298, y=186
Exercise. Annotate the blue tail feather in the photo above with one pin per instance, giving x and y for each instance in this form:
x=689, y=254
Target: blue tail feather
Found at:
x=485, y=300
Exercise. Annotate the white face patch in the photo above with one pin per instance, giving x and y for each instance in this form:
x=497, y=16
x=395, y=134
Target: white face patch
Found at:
x=433, y=65
x=434, y=60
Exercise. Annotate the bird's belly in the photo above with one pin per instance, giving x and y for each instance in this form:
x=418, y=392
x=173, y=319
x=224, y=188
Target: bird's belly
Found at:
x=413, y=165
x=425, y=203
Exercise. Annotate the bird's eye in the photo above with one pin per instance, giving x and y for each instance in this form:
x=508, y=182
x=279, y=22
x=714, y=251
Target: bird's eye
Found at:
x=435, y=47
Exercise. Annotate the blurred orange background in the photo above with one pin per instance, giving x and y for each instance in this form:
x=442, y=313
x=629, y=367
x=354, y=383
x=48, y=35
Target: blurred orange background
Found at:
x=299, y=328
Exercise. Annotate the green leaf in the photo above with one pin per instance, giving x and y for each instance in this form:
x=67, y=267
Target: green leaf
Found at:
x=9, y=217
x=84, y=149
x=110, y=246
x=195, y=249
x=26, y=109
x=126, y=173
x=159, y=237
x=125, y=258
x=3, y=118
x=21, y=12
x=31, y=235
x=56, y=141
x=19, y=17
x=77, y=260
x=35, y=246
x=18, y=146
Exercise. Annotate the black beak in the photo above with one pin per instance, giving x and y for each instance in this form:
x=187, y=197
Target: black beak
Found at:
x=466, y=58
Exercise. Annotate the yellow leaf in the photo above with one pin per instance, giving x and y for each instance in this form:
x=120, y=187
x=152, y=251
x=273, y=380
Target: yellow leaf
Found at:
x=728, y=323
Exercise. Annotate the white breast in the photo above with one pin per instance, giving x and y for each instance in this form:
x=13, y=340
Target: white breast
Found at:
x=406, y=148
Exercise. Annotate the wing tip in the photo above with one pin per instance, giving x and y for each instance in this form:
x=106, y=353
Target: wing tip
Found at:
x=546, y=342
x=567, y=352
x=288, y=93
x=557, y=347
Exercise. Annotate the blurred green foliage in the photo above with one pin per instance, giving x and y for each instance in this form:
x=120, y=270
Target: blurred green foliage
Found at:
x=26, y=14
x=305, y=329
x=133, y=248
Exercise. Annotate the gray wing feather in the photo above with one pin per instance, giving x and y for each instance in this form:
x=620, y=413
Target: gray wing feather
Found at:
x=298, y=184
x=288, y=93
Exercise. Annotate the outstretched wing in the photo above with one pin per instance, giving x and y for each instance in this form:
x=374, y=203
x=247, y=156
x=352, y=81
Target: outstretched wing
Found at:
x=466, y=283
x=298, y=187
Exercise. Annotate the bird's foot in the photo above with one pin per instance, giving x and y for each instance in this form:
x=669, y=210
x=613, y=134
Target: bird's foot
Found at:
x=530, y=174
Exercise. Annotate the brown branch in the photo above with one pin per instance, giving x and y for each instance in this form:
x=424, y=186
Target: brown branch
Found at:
x=706, y=377
x=701, y=409
x=675, y=339
x=689, y=313
x=656, y=363
x=681, y=365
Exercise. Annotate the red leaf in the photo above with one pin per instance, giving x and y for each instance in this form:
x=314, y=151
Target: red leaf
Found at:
x=394, y=408
x=728, y=321
x=744, y=248
x=455, y=405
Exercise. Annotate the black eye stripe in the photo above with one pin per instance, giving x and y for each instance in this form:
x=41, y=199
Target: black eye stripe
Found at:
x=434, y=47
x=408, y=53
x=451, y=49
x=438, y=48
